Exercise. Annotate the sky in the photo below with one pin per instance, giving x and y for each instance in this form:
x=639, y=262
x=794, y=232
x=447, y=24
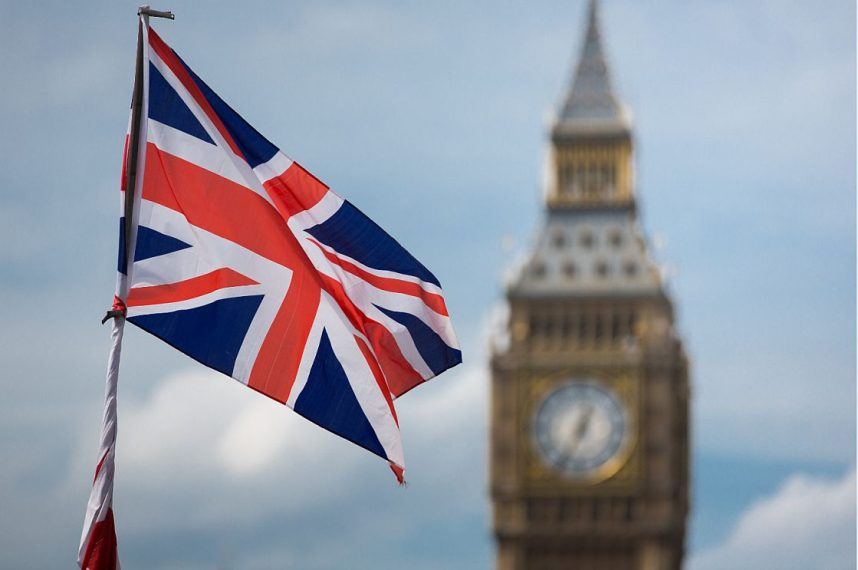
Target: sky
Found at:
x=431, y=118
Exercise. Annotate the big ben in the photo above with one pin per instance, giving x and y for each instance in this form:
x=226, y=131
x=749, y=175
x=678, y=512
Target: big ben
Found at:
x=589, y=395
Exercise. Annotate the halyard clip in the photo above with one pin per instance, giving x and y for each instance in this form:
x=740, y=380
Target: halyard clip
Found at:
x=118, y=310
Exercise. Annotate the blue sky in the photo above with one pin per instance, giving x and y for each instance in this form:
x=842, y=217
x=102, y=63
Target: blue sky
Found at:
x=432, y=119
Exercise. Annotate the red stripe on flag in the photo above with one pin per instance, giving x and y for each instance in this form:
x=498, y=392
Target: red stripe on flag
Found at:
x=295, y=190
x=379, y=377
x=169, y=57
x=279, y=357
x=398, y=471
x=124, y=164
x=187, y=289
x=98, y=467
x=101, y=550
x=398, y=373
x=432, y=300
x=222, y=207
x=219, y=205
x=335, y=290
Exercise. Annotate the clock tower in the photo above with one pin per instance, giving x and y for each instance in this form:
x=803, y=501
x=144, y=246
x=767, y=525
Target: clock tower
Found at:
x=589, y=392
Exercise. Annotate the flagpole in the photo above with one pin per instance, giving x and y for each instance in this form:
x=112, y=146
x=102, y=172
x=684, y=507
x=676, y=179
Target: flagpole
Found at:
x=136, y=111
x=98, y=545
x=133, y=141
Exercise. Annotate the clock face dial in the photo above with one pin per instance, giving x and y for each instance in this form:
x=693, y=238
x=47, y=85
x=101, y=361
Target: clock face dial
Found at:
x=579, y=428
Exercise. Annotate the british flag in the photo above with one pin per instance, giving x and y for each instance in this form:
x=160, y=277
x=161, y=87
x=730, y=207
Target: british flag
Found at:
x=249, y=264
x=243, y=260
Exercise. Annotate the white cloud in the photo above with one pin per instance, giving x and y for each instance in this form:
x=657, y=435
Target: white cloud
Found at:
x=199, y=434
x=808, y=523
x=203, y=421
x=255, y=437
x=457, y=402
x=209, y=424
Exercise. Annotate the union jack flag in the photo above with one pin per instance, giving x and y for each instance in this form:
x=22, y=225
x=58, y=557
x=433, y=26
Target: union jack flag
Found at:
x=243, y=260
x=249, y=264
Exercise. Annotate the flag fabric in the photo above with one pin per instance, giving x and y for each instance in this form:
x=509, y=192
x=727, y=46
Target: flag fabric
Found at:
x=243, y=260
x=98, y=548
x=249, y=264
x=246, y=262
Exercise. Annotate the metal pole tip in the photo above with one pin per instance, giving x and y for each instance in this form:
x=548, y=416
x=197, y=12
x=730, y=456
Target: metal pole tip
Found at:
x=147, y=11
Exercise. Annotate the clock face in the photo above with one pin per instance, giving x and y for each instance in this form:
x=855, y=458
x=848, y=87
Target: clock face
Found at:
x=579, y=428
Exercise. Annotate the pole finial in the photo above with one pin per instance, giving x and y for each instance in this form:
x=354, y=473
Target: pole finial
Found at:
x=145, y=10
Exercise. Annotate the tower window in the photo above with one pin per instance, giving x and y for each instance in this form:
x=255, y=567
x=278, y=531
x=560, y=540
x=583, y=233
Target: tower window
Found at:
x=587, y=239
x=558, y=238
x=569, y=269
x=566, y=179
x=631, y=268
x=592, y=180
x=601, y=269
x=615, y=238
x=549, y=325
x=532, y=325
x=632, y=324
x=583, y=329
x=566, y=326
x=616, y=326
x=538, y=269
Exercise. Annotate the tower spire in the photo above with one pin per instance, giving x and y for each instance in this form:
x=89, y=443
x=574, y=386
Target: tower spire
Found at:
x=590, y=100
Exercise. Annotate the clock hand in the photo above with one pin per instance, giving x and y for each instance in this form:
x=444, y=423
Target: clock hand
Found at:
x=585, y=421
x=581, y=428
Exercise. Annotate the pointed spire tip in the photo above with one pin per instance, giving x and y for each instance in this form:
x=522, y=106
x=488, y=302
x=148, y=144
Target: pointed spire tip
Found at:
x=591, y=96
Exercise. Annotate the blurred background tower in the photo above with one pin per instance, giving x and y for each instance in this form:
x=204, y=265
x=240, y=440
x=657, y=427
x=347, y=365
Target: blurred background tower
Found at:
x=589, y=402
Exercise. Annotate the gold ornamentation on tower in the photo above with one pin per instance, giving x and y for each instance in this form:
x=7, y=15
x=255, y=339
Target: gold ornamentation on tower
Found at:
x=589, y=403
